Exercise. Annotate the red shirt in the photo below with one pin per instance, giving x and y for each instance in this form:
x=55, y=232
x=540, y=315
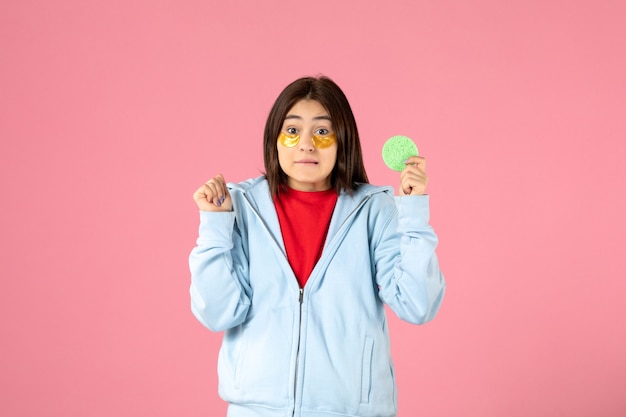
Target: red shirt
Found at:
x=304, y=218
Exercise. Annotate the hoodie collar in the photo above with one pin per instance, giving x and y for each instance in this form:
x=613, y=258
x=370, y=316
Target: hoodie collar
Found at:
x=256, y=192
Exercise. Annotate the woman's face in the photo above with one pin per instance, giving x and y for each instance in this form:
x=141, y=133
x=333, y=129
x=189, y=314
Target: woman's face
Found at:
x=307, y=147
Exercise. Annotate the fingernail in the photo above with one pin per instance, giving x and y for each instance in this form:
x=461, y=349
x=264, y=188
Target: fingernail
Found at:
x=406, y=161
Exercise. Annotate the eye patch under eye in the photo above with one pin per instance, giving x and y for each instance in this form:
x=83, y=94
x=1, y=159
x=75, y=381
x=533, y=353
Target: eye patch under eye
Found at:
x=320, y=142
x=288, y=140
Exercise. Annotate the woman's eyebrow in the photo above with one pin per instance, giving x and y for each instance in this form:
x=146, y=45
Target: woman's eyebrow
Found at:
x=295, y=116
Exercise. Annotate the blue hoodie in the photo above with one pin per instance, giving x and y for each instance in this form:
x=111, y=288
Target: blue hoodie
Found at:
x=320, y=351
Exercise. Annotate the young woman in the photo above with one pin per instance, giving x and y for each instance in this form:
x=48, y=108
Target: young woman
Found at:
x=296, y=266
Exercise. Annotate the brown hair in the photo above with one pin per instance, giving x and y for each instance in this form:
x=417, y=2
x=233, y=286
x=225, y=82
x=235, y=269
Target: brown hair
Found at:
x=349, y=169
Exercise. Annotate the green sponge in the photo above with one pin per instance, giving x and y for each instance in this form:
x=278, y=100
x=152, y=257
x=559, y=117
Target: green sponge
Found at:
x=398, y=149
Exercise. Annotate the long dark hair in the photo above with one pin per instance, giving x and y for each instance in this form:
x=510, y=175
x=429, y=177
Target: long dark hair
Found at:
x=349, y=169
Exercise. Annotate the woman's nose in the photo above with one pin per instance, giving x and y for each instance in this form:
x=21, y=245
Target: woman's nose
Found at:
x=306, y=142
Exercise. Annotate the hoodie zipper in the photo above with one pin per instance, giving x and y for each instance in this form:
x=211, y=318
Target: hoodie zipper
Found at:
x=295, y=378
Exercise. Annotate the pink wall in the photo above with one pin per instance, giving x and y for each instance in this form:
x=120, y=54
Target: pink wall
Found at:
x=112, y=113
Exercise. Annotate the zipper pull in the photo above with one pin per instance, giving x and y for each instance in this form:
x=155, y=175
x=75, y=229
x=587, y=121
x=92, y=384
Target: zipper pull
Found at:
x=301, y=295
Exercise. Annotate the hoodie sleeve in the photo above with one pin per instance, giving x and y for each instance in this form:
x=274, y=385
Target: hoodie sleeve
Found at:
x=407, y=269
x=220, y=292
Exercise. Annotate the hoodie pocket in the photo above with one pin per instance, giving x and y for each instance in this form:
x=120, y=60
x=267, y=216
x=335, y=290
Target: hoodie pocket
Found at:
x=238, y=370
x=366, y=370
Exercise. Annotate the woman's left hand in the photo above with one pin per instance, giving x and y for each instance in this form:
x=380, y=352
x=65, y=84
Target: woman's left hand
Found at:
x=413, y=179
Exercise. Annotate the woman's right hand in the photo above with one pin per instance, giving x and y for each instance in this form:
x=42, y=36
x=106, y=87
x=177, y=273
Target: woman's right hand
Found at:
x=213, y=195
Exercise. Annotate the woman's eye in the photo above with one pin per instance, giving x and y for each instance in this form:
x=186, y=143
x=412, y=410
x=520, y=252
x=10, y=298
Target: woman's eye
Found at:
x=291, y=130
x=322, y=132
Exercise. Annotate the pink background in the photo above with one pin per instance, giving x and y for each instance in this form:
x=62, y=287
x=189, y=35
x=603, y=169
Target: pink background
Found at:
x=113, y=112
